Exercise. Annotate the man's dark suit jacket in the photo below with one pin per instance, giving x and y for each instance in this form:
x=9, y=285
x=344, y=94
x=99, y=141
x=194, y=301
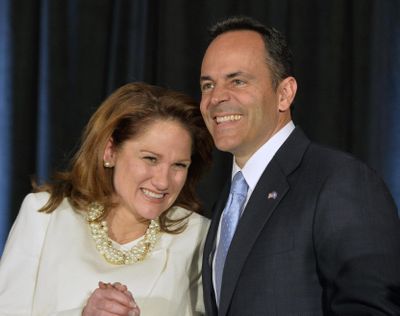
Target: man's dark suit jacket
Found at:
x=327, y=244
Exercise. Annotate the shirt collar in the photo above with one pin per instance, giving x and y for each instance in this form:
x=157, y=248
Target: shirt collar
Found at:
x=257, y=163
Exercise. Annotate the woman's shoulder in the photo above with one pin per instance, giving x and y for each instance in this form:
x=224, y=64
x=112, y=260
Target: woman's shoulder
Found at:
x=193, y=234
x=193, y=218
x=33, y=202
x=36, y=200
x=30, y=225
x=196, y=225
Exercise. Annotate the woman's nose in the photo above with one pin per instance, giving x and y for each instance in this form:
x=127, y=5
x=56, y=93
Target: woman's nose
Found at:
x=160, y=178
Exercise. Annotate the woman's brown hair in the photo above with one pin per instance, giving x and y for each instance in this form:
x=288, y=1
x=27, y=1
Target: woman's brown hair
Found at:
x=124, y=114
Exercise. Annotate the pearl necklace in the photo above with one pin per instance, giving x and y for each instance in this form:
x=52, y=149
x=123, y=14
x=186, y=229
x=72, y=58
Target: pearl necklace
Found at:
x=104, y=245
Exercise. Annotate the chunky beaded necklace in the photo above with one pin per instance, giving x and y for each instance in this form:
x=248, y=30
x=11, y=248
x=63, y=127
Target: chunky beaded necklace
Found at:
x=104, y=245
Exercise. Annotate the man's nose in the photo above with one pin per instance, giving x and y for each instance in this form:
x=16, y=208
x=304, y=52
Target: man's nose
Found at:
x=219, y=94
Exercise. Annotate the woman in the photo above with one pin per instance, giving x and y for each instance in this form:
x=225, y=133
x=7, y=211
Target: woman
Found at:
x=120, y=216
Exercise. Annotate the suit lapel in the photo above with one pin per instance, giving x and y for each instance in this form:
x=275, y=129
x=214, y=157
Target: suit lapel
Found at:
x=268, y=193
x=258, y=210
x=209, y=250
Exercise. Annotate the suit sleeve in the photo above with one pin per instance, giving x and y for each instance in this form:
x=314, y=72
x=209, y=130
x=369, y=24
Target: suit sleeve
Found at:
x=357, y=242
x=20, y=259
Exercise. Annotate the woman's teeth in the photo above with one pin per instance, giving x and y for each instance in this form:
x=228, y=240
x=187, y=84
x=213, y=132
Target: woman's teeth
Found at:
x=152, y=194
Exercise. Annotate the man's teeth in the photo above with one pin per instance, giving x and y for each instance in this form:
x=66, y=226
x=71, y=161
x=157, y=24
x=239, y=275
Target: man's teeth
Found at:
x=152, y=194
x=227, y=118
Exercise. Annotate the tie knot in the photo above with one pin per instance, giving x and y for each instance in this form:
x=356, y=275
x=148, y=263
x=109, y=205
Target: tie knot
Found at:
x=239, y=184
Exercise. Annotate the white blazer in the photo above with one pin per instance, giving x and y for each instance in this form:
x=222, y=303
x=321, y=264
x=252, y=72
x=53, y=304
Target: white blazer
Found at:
x=50, y=266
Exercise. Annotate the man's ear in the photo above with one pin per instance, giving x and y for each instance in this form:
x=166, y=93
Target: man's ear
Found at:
x=109, y=154
x=286, y=93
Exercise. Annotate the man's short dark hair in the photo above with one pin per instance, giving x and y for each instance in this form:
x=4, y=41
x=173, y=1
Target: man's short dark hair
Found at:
x=278, y=57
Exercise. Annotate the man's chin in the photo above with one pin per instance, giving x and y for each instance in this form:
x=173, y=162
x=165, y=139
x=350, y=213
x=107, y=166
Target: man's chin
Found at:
x=225, y=146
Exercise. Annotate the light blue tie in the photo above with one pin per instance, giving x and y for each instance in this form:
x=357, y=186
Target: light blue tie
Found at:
x=230, y=219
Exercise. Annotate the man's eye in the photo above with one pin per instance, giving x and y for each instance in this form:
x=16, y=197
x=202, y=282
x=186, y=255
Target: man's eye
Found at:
x=206, y=86
x=238, y=82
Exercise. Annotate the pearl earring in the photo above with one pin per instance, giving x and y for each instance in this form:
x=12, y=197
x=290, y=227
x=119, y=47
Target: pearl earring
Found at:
x=107, y=164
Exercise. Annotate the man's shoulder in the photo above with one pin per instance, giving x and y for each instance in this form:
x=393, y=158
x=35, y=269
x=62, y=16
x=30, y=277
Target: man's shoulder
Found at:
x=331, y=154
x=300, y=152
x=317, y=151
x=338, y=164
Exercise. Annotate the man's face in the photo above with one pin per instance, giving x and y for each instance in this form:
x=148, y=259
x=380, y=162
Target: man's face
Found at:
x=239, y=105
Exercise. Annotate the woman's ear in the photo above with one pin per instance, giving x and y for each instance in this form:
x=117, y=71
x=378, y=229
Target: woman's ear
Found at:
x=109, y=154
x=286, y=91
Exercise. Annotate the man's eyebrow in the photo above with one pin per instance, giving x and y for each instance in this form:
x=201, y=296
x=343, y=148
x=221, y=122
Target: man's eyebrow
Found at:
x=228, y=76
x=234, y=74
x=203, y=78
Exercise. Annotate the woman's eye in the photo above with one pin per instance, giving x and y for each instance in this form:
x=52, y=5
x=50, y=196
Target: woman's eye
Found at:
x=182, y=165
x=150, y=159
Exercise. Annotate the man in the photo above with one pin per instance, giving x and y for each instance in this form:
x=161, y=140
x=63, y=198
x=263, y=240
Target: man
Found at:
x=318, y=232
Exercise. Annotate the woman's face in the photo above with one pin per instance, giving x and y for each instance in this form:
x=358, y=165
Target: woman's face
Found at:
x=150, y=169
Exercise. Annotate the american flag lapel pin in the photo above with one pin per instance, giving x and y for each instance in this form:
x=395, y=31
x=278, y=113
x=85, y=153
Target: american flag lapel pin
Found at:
x=272, y=195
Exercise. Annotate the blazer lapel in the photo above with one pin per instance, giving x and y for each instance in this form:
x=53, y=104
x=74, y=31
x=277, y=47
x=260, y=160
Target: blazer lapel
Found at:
x=257, y=212
x=268, y=193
